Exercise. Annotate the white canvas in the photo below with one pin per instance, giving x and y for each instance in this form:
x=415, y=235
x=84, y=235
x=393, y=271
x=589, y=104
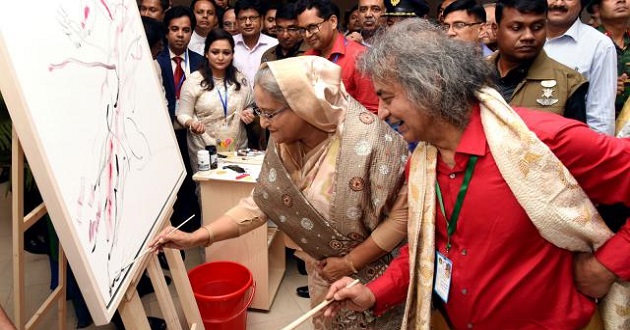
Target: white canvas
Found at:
x=84, y=96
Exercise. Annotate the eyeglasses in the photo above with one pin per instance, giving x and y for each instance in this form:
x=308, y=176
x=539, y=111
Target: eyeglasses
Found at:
x=312, y=28
x=269, y=116
x=290, y=30
x=248, y=18
x=458, y=26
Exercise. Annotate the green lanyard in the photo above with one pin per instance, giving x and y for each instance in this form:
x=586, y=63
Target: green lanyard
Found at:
x=452, y=223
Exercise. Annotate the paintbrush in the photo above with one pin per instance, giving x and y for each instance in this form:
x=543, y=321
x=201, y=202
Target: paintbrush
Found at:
x=315, y=310
x=147, y=250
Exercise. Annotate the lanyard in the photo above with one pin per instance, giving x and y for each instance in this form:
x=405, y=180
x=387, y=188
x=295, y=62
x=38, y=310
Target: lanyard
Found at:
x=452, y=223
x=224, y=101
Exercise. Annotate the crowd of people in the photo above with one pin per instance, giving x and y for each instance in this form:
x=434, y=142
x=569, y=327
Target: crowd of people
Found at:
x=469, y=167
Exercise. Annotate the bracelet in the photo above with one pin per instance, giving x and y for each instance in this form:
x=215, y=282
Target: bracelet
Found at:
x=210, y=236
x=350, y=264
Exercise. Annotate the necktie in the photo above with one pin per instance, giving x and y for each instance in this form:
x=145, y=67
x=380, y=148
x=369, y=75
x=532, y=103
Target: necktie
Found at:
x=178, y=76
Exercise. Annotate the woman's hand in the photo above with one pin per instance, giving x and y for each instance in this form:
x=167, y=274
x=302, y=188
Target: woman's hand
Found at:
x=356, y=298
x=247, y=116
x=332, y=269
x=196, y=127
x=174, y=240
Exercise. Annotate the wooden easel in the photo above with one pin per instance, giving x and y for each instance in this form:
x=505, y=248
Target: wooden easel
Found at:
x=131, y=309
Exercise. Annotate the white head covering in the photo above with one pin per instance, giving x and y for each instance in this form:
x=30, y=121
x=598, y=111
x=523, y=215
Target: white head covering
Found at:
x=312, y=87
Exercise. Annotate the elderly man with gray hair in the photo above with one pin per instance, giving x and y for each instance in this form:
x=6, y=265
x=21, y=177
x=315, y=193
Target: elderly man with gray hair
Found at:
x=502, y=231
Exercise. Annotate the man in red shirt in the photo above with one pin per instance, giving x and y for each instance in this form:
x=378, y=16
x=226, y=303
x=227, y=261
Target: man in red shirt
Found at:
x=486, y=217
x=317, y=21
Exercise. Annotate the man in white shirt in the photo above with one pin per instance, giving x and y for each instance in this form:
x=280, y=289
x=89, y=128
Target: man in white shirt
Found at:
x=579, y=46
x=206, y=16
x=250, y=44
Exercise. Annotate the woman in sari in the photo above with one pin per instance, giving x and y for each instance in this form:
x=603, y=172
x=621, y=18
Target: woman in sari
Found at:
x=332, y=180
x=216, y=98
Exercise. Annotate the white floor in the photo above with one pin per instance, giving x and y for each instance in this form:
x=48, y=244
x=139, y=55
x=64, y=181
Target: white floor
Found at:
x=286, y=307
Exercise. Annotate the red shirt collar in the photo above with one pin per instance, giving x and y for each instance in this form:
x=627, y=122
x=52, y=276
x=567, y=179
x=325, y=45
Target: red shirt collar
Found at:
x=339, y=47
x=473, y=141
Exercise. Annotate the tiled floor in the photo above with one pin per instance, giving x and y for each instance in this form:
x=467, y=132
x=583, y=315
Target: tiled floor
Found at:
x=286, y=307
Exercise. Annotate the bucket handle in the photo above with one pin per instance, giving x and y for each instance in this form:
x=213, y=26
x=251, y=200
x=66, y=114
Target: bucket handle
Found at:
x=249, y=301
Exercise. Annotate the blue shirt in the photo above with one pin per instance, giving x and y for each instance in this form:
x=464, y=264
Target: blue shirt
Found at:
x=593, y=55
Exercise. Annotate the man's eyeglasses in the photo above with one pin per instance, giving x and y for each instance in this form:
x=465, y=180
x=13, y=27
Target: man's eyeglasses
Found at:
x=248, y=18
x=311, y=28
x=290, y=30
x=268, y=114
x=458, y=26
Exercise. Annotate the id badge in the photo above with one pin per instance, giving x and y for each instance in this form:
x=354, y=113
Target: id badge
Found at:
x=443, y=272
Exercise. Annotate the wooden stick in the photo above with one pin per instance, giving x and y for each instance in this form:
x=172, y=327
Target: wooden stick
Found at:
x=147, y=250
x=315, y=310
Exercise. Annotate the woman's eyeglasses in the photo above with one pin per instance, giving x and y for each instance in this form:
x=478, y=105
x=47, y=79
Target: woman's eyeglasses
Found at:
x=268, y=114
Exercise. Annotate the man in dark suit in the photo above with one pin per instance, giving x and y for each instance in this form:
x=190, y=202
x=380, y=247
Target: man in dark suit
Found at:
x=176, y=63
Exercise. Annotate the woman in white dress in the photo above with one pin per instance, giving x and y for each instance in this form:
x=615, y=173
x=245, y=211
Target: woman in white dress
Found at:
x=216, y=99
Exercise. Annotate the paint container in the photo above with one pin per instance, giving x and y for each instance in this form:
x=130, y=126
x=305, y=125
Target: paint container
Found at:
x=212, y=150
x=203, y=160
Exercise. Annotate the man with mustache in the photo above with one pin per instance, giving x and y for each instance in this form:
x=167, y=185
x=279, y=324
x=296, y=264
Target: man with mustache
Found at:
x=370, y=12
x=614, y=15
x=579, y=46
x=527, y=77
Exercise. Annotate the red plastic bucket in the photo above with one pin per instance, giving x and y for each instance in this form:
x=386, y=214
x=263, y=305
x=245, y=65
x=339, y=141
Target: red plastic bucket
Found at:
x=220, y=289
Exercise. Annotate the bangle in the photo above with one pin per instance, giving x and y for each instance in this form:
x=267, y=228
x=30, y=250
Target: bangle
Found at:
x=210, y=236
x=350, y=264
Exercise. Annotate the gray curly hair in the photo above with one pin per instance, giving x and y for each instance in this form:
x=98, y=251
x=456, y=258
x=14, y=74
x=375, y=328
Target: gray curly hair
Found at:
x=438, y=73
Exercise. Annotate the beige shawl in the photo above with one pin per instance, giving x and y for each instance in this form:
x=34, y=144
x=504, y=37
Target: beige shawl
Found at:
x=550, y=195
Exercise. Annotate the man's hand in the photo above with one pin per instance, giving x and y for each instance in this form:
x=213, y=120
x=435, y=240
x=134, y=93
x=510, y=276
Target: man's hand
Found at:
x=357, y=298
x=590, y=276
